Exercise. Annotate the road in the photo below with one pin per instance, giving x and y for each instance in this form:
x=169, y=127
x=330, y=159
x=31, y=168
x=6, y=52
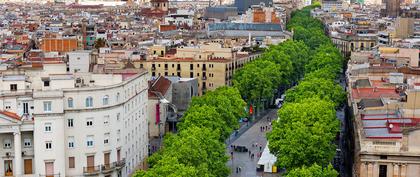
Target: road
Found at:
x=250, y=136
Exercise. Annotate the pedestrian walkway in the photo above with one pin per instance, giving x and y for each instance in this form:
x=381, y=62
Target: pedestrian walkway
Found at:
x=253, y=135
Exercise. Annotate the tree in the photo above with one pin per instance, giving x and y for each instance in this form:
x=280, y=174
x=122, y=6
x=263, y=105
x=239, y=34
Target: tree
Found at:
x=169, y=167
x=258, y=80
x=283, y=61
x=317, y=87
x=200, y=148
x=235, y=99
x=298, y=53
x=325, y=73
x=193, y=152
x=204, y=116
x=100, y=42
x=313, y=171
x=304, y=133
x=324, y=60
x=227, y=102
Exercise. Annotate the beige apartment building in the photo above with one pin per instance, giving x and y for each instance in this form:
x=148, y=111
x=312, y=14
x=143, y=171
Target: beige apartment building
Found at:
x=212, y=64
x=384, y=96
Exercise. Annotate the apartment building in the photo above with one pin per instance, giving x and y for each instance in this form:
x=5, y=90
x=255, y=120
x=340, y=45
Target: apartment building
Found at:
x=383, y=96
x=212, y=64
x=84, y=124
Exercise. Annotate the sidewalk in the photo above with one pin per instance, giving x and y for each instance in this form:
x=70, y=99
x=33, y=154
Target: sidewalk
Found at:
x=251, y=134
x=246, y=125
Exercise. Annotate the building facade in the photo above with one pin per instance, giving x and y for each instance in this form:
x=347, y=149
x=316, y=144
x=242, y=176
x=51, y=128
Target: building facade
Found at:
x=56, y=124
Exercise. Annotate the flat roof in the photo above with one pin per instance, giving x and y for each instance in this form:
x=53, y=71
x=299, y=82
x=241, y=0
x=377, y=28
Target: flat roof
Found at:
x=14, y=78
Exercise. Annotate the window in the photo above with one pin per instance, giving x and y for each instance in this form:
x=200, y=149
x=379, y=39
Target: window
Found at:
x=27, y=142
x=70, y=141
x=71, y=162
x=7, y=144
x=13, y=87
x=105, y=100
x=89, y=102
x=70, y=123
x=118, y=116
x=47, y=106
x=89, y=141
x=46, y=83
x=106, y=120
x=89, y=122
x=118, y=97
x=70, y=102
x=106, y=138
x=48, y=145
x=47, y=127
x=383, y=171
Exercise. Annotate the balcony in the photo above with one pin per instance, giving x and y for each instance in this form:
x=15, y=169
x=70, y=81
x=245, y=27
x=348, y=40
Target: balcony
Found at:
x=107, y=168
x=153, y=68
x=92, y=170
x=204, y=78
x=119, y=164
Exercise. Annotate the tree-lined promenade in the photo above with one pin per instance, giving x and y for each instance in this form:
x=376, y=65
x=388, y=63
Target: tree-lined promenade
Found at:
x=303, y=137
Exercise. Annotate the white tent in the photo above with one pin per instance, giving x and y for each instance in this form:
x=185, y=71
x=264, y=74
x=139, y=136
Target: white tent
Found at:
x=267, y=161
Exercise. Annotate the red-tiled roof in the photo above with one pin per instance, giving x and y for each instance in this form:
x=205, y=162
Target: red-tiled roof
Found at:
x=359, y=93
x=10, y=114
x=161, y=85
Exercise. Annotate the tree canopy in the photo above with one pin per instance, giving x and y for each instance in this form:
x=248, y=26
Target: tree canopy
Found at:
x=313, y=171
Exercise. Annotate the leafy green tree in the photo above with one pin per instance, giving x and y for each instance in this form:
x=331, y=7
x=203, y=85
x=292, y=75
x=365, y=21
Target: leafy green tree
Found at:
x=235, y=99
x=283, y=61
x=169, y=167
x=298, y=53
x=325, y=73
x=258, y=80
x=317, y=87
x=227, y=103
x=201, y=148
x=304, y=133
x=204, y=116
x=313, y=171
x=197, y=151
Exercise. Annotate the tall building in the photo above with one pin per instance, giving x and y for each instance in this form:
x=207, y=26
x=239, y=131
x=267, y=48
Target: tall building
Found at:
x=54, y=123
x=404, y=27
x=393, y=8
x=243, y=5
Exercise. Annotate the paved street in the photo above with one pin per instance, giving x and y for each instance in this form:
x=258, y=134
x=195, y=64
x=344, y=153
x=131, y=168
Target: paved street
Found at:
x=251, y=136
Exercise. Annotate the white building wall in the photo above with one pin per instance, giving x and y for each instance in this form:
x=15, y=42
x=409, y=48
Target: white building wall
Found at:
x=127, y=125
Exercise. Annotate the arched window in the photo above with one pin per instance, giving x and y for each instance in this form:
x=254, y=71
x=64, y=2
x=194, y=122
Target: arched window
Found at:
x=105, y=100
x=89, y=102
x=118, y=97
x=70, y=102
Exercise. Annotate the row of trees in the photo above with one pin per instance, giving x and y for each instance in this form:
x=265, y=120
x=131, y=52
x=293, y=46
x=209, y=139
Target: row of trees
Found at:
x=303, y=137
x=198, y=150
